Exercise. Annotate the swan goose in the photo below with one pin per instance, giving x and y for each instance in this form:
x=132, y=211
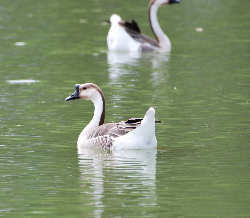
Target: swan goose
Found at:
x=126, y=36
x=135, y=133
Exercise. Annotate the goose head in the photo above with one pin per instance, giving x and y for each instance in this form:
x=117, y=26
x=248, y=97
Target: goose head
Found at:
x=163, y=2
x=87, y=91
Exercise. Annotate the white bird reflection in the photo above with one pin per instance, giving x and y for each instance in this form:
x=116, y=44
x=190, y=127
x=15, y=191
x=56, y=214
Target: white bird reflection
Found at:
x=122, y=63
x=113, y=177
x=117, y=63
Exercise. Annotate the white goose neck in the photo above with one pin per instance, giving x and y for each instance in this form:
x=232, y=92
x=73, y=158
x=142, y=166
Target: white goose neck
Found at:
x=99, y=104
x=162, y=39
x=99, y=114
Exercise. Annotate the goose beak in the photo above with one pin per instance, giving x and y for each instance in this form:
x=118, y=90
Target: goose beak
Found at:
x=75, y=95
x=174, y=1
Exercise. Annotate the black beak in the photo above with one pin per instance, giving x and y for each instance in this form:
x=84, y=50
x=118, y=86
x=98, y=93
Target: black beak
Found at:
x=174, y=1
x=75, y=95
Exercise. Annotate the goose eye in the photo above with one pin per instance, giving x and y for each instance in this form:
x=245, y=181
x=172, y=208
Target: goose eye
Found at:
x=84, y=88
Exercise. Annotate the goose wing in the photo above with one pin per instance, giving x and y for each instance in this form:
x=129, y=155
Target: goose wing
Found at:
x=115, y=129
x=103, y=135
x=130, y=26
x=134, y=31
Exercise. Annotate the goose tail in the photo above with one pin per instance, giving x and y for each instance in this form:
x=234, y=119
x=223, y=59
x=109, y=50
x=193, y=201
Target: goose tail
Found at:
x=146, y=131
x=143, y=137
x=147, y=128
x=149, y=117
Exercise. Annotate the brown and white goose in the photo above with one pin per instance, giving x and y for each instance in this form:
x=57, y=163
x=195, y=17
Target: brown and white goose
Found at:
x=135, y=133
x=126, y=36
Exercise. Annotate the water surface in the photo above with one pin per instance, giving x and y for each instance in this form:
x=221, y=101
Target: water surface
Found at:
x=200, y=92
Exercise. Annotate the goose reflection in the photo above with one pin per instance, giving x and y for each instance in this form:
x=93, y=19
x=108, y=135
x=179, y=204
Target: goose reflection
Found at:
x=120, y=61
x=113, y=177
x=125, y=63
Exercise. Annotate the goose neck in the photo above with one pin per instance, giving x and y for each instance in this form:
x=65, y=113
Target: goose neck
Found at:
x=97, y=119
x=99, y=113
x=162, y=39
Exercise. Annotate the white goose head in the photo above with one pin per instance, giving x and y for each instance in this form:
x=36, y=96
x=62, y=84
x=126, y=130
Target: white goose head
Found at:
x=87, y=91
x=90, y=91
x=162, y=2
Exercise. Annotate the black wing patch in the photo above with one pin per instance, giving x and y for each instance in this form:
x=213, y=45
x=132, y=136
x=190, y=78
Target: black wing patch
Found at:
x=116, y=129
x=133, y=29
x=132, y=26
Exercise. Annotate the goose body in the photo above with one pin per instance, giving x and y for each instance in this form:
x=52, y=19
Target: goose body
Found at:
x=135, y=133
x=126, y=36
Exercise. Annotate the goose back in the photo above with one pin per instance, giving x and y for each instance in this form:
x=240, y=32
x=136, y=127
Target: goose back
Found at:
x=104, y=135
x=132, y=28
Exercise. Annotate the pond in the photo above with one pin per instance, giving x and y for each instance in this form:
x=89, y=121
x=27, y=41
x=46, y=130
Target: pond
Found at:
x=200, y=92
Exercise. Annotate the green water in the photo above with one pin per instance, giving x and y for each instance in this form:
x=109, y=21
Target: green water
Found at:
x=200, y=93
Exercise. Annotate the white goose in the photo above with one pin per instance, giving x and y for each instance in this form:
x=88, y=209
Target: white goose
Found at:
x=135, y=133
x=124, y=36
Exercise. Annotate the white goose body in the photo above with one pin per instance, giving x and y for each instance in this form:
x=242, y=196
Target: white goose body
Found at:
x=124, y=36
x=135, y=133
x=118, y=39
